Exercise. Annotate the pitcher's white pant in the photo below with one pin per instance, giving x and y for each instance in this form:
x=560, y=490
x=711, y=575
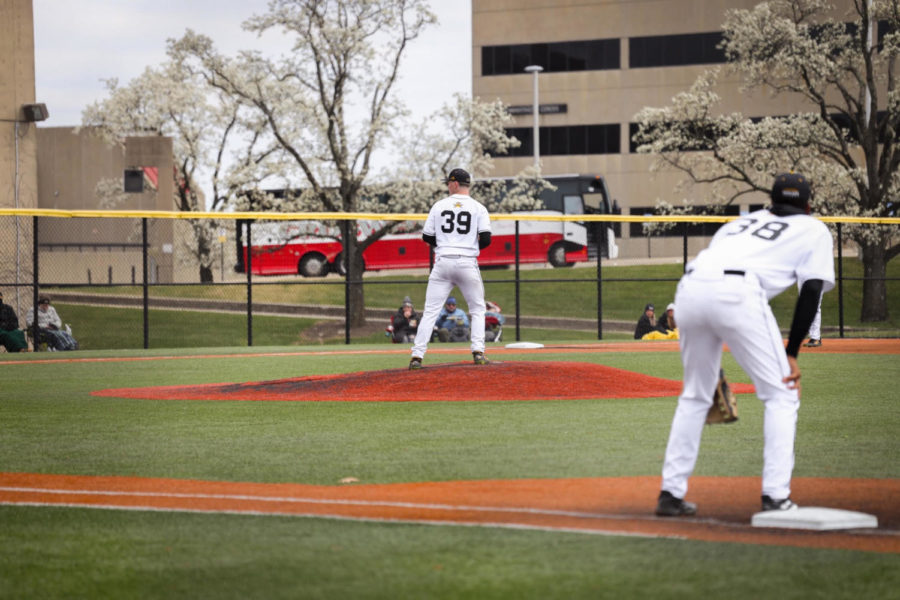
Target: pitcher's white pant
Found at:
x=464, y=273
x=710, y=310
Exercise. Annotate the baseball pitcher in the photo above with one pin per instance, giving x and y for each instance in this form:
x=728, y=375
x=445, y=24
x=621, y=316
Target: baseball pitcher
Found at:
x=458, y=227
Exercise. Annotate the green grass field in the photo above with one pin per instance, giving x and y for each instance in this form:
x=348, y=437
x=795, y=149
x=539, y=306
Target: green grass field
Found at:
x=49, y=423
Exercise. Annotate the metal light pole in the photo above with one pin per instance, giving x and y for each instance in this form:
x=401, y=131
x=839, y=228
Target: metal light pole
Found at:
x=536, y=112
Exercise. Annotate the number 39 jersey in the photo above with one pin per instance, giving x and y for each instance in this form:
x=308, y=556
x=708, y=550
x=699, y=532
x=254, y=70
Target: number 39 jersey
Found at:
x=456, y=222
x=779, y=250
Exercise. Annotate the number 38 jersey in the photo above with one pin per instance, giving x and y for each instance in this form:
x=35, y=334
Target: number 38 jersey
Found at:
x=456, y=222
x=779, y=250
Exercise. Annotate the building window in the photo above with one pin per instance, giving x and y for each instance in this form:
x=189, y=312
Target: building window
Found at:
x=675, y=50
x=567, y=140
x=588, y=55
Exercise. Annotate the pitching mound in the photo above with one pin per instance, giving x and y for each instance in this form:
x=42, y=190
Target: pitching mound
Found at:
x=457, y=382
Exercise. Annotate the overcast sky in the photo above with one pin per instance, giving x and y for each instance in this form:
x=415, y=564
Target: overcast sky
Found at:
x=79, y=43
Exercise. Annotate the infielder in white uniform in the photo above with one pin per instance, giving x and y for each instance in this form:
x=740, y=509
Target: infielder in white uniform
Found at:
x=724, y=298
x=458, y=227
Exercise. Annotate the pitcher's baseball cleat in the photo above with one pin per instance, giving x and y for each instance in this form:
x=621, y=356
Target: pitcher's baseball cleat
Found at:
x=479, y=359
x=415, y=363
x=670, y=506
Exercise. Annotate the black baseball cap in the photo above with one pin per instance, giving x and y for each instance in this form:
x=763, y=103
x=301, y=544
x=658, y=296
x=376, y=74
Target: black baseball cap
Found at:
x=791, y=188
x=461, y=176
x=649, y=307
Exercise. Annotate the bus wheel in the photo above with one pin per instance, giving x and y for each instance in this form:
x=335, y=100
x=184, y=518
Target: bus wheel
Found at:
x=313, y=264
x=556, y=256
x=339, y=267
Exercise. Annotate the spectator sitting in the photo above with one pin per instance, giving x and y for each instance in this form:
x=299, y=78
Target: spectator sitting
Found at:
x=667, y=321
x=493, y=321
x=665, y=327
x=11, y=337
x=452, y=324
x=646, y=323
x=404, y=323
x=50, y=327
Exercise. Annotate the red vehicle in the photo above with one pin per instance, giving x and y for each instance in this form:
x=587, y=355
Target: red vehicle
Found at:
x=308, y=248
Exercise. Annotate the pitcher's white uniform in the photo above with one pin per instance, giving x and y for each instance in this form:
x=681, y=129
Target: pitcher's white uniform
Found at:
x=456, y=222
x=723, y=298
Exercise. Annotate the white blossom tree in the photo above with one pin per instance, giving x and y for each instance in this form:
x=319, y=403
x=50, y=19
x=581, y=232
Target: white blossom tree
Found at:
x=846, y=141
x=212, y=132
x=330, y=105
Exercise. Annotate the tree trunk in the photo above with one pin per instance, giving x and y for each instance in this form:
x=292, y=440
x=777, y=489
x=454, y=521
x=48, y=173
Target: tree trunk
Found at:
x=203, y=251
x=206, y=274
x=874, y=299
x=355, y=268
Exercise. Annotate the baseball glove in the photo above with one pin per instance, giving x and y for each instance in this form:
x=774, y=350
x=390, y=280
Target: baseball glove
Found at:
x=724, y=407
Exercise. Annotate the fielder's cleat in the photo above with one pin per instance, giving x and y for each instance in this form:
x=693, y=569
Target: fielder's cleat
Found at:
x=415, y=363
x=479, y=359
x=670, y=506
x=786, y=504
x=813, y=343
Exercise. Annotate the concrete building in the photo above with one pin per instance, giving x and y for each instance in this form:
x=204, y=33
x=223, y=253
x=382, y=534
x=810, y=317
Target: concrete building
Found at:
x=604, y=60
x=18, y=150
x=73, y=166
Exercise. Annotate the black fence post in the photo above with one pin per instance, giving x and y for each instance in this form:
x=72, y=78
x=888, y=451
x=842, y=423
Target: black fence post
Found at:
x=34, y=280
x=518, y=311
x=600, y=282
x=249, y=267
x=684, y=246
x=145, y=285
x=345, y=256
x=840, y=245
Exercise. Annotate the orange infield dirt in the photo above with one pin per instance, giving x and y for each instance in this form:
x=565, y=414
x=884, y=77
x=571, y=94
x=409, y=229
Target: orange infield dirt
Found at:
x=613, y=506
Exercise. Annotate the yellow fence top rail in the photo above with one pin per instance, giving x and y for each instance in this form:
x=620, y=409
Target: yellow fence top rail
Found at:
x=340, y=216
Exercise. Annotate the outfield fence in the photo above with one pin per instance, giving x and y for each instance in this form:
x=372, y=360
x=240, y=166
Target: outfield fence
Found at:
x=134, y=279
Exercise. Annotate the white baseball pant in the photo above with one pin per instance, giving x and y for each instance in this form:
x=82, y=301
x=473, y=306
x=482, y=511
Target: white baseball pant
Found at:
x=460, y=271
x=731, y=309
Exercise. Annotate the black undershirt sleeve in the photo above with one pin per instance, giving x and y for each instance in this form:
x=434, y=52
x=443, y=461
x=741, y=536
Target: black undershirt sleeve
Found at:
x=484, y=239
x=804, y=313
x=431, y=240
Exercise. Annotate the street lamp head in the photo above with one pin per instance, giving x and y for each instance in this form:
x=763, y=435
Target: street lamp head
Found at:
x=534, y=69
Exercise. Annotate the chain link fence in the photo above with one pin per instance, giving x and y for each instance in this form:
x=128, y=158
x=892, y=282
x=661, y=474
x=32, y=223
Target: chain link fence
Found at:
x=164, y=282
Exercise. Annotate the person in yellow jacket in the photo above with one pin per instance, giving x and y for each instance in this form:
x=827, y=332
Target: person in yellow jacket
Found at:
x=665, y=326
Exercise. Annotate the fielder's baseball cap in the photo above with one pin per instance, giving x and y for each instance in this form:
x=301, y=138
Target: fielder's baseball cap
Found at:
x=461, y=176
x=450, y=300
x=791, y=188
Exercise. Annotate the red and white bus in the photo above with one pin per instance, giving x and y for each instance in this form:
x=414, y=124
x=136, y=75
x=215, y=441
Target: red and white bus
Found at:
x=312, y=250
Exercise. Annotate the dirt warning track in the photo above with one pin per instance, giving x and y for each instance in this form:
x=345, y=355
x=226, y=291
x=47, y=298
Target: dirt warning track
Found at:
x=620, y=506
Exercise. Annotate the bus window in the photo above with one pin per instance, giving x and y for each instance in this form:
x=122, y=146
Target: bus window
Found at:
x=595, y=203
x=573, y=205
